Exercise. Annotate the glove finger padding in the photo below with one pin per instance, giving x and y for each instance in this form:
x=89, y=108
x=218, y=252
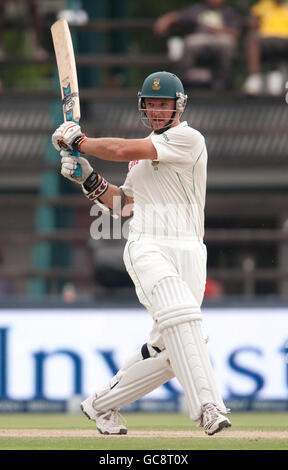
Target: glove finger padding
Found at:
x=69, y=160
x=67, y=173
x=69, y=165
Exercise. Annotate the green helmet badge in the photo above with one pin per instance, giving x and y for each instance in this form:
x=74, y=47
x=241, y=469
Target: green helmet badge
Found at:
x=156, y=84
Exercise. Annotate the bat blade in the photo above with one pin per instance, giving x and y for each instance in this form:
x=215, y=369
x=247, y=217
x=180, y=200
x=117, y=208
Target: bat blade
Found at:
x=67, y=74
x=67, y=71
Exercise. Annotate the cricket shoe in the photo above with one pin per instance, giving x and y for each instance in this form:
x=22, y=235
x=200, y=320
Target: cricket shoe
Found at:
x=213, y=420
x=107, y=422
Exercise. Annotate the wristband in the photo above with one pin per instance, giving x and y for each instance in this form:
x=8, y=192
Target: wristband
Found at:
x=94, y=186
x=78, y=141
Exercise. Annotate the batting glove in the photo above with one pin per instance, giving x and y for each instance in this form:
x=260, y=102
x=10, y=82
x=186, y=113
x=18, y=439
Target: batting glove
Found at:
x=68, y=136
x=69, y=165
x=93, y=184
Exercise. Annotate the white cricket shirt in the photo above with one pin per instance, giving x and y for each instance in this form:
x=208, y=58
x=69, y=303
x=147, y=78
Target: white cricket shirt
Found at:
x=169, y=193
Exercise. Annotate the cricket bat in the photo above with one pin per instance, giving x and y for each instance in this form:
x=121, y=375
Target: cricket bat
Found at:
x=67, y=74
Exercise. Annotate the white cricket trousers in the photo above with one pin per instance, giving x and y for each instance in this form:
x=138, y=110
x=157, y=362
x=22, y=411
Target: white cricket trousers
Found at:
x=148, y=260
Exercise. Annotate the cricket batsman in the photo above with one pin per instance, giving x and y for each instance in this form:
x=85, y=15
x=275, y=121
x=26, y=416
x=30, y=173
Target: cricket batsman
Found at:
x=165, y=256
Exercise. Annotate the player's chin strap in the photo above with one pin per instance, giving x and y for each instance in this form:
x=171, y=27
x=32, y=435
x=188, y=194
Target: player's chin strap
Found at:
x=165, y=128
x=180, y=103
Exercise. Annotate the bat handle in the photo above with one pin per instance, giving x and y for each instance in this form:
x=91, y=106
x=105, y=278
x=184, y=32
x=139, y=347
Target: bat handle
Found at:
x=78, y=172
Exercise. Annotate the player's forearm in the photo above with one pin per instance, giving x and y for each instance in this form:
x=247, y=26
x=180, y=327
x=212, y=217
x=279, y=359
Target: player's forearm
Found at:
x=118, y=150
x=105, y=148
x=112, y=199
x=111, y=196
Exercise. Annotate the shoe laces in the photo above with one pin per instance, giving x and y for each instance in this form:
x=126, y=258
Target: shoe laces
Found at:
x=114, y=416
x=212, y=410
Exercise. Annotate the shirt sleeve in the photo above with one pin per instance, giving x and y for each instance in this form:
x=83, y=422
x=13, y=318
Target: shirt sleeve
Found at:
x=179, y=146
x=127, y=186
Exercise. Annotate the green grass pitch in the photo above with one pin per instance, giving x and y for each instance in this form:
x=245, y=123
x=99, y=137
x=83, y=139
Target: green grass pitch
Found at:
x=170, y=431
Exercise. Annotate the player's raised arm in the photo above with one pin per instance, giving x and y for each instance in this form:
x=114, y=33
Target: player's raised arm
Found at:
x=70, y=136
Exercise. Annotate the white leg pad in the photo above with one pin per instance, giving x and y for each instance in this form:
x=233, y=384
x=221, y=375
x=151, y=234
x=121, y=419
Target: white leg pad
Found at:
x=137, y=378
x=179, y=320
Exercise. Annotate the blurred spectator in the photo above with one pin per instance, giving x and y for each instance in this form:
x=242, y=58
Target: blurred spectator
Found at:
x=69, y=294
x=38, y=51
x=267, y=39
x=215, y=28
